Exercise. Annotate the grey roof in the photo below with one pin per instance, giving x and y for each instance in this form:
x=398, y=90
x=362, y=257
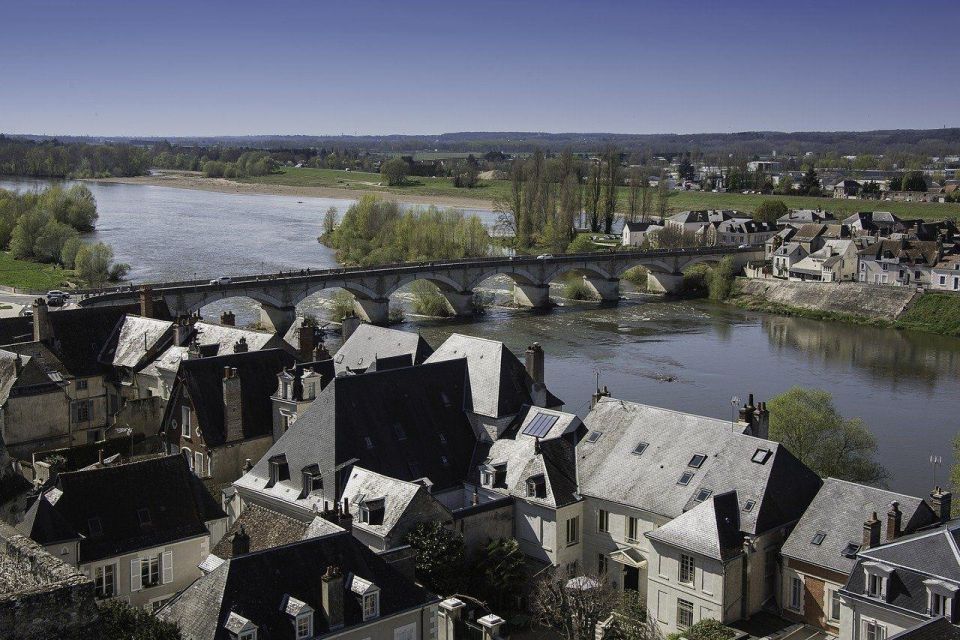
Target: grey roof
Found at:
x=137, y=338
x=712, y=528
x=370, y=342
x=938, y=628
x=266, y=528
x=705, y=216
x=780, y=487
x=554, y=458
x=838, y=511
x=398, y=497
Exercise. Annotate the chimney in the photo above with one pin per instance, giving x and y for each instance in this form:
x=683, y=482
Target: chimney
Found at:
x=321, y=353
x=227, y=319
x=871, y=532
x=894, y=518
x=240, y=543
x=181, y=331
x=18, y=365
x=535, y=362
x=746, y=411
x=941, y=503
x=307, y=339
x=761, y=421
x=605, y=393
x=41, y=322
x=331, y=596
x=100, y=457
x=241, y=346
x=345, y=521
x=247, y=465
x=232, y=411
x=146, y=301
x=348, y=326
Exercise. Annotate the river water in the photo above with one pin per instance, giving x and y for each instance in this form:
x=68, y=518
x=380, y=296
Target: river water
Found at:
x=689, y=356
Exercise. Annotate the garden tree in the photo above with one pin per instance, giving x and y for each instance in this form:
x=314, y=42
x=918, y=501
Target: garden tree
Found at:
x=394, y=171
x=594, y=194
x=330, y=220
x=806, y=422
x=27, y=230
x=120, y=621
x=810, y=184
x=466, y=172
x=720, y=280
x=93, y=264
x=571, y=606
x=439, y=557
x=611, y=181
x=635, y=193
x=663, y=198
x=49, y=244
x=785, y=187
x=502, y=567
x=68, y=253
x=630, y=620
x=914, y=181
x=770, y=211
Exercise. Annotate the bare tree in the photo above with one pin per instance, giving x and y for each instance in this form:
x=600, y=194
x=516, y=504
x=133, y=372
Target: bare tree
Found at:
x=663, y=197
x=634, y=194
x=611, y=181
x=594, y=192
x=573, y=605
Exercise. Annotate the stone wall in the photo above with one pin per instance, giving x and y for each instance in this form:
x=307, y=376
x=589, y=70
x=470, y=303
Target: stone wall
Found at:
x=41, y=597
x=851, y=298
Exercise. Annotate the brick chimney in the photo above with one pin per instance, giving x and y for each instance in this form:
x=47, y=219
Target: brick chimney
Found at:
x=331, y=596
x=41, y=321
x=227, y=319
x=232, y=407
x=307, y=339
x=894, y=519
x=241, y=346
x=240, y=544
x=747, y=411
x=181, y=331
x=535, y=362
x=941, y=501
x=871, y=532
x=605, y=393
x=761, y=421
x=321, y=353
x=146, y=301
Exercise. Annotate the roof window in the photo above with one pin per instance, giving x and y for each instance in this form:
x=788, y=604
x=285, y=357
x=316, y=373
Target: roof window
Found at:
x=593, y=436
x=703, y=494
x=697, y=460
x=640, y=448
x=414, y=469
x=143, y=515
x=368, y=442
x=760, y=456
x=399, y=432
x=818, y=538
x=850, y=551
x=95, y=527
x=749, y=505
x=537, y=487
x=685, y=478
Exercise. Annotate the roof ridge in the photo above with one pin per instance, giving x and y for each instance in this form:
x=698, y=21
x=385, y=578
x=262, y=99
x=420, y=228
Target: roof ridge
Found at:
x=860, y=484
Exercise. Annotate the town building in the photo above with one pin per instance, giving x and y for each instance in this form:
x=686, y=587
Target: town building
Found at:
x=846, y=188
x=796, y=218
x=738, y=232
x=369, y=343
x=297, y=387
x=835, y=261
x=899, y=262
x=945, y=275
x=634, y=233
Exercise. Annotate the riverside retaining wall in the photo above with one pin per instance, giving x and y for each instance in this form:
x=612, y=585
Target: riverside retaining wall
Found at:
x=851, y=298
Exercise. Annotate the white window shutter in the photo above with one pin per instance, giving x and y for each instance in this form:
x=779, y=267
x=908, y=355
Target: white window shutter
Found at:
x=136, y=580
x=166, y=565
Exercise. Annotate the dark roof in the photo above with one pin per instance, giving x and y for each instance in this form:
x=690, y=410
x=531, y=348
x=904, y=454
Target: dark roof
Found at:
x=114, y=495
x=904, y=251
x=256, y=585
x=938, y=628
x=83, y=455
x=202, y=379
x=43, y=523
x=370, y=342
x=403, y=413
x=712, y=528
x=266, y=529
x=79, y=335
x=838, y=512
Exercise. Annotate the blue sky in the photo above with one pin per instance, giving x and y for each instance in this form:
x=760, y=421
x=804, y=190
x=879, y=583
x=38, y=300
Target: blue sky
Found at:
x=311, y=67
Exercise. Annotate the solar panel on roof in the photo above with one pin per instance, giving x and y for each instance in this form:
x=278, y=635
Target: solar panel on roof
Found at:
x=540, y=425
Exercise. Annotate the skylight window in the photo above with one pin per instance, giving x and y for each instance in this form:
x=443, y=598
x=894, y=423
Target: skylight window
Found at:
x=399, y=432
x=95, y=527
x=818, y=538
x=685, y=478
x=414, y=469
x=850, y=551
x=640, y=448
x=703, y=494
x=443, y=438
x=697, y=460
x=760, y=456
x=444, y=461
x=749, y=505
x=593, y=436
x=144, y=516
x=368, y=442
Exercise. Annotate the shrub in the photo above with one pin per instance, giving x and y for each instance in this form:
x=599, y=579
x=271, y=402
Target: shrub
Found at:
x=581, y=244
x=770, y=210
x=696, y=281
x=707, y=629
x=341, y=306
x=481, y=302
x=428, y=301
x=720, y=280
x=636, y=276
x=394, y=171
x=396, y=314
x=577, y=289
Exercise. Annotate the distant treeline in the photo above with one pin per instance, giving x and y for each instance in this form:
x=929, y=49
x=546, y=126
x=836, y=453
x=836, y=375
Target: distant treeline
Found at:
x=55, y=159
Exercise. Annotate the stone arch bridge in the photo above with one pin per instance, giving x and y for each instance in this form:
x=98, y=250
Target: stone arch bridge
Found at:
x=278, y=294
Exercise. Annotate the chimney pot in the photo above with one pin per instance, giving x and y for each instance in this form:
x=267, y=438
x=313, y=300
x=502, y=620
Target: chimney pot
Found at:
x=232, y=405
x=894, y=520
x=41, y=321
x=240, y=543
x=146, y=301
x=241, y=346
x=871, y=532
x=228, y=319
x=942, y=503
x=332, y=596
x=534, y=362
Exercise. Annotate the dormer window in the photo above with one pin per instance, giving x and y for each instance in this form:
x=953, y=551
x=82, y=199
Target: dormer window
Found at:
x=143, y=515
x=239, y=627
x=369, y=594
x=312, y=480
x=494, y=476
x=877, y=578
x=371, y=511
x=304, y=626
x=371, y=606
x=537, y=487
x=399, y=432
x=278, y=469
x=940, y=598
x=301, y=616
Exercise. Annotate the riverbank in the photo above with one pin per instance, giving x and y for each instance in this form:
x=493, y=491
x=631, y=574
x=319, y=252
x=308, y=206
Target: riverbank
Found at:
x=196, y=181
x=26, y=275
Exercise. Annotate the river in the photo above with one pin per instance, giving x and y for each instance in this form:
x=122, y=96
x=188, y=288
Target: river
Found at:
x=689, y=356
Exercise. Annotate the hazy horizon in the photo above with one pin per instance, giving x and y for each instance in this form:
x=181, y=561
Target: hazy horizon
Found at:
x=110, y=69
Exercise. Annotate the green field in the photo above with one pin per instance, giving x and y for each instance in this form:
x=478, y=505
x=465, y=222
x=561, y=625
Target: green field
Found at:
x=679, y=200
x=30, y=275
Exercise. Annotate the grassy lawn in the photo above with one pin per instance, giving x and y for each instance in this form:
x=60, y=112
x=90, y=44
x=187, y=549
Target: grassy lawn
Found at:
x=30, y=275
x=679, y=200
x=933, y=312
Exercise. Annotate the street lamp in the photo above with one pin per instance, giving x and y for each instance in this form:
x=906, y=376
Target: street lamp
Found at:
x=734, y=405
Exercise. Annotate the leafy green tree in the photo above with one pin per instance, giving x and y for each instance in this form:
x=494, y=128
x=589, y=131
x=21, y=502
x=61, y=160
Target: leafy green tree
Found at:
x=810, y=184
x=502, y=567
x=785, y=187
x=93, y=263
x=914, y=181
x=25, y=233
x=330, y=220
x=770, y=211
x=51, y=240
x=706, y=629
x=440, y=560
x=68, y=253
x=394, y=171
x=120, y=621
x=213, y=169
x=720, y=280
x=808, y=424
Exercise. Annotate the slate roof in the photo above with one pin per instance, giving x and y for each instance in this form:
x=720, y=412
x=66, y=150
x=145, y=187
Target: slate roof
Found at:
x=903, y=251
x=164, y=485
x=803, y=216
x=413, y=417
x=499, y=383
x=808, y=232
x=938, y=628
x=256, y=585
x=712, y=528
x=266, y=529
x=933, y=552
x=135, y=339
x=42, y=521
x=369, y=342
x=397, y=496
x=79, y=335
x=202, y=379
x=780, y=487
x=839, y=510
x=705, y=216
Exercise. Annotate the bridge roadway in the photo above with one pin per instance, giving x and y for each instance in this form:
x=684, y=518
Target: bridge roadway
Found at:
x=279, y=293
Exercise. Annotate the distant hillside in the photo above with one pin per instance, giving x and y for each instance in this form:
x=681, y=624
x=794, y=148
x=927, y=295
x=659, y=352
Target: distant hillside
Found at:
x=936, y=142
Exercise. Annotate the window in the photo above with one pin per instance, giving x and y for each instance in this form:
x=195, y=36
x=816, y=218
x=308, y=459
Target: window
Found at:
x=443, y=438
x=818, y=538
x=796, y=593
x=833, y=606
x=697, y=460
x=249, y=634
x=304, y=626
x=687, y=569
x=185, y=420
x=685, y=478
x=684, y=614
x=873, y=630
x=105, y=579
x=760, y=456
x=749, y=505
x=938, y=604
x=573, y=530
x=143, y=515
x=82, y=410
x=95, y=527
x=633, y=529
x=186, y=453
x=850, y=551
x=537, y=487
x=640, y=448
x=371, y=606
x=603, y=521
x=593, y=436
x=874, y=585
x=150, y=571
x=444, y=461
x=602, y=564
x=368, y=442
x=414, y=470
x=703, y=494
x=399, y=432
x=406, y=632
x=198, y=463
x=83, y=384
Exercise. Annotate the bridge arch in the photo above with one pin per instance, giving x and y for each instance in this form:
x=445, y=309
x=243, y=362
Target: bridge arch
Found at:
x=517, y=274
x=355, y=289
x=591, y=271
x=444, y=283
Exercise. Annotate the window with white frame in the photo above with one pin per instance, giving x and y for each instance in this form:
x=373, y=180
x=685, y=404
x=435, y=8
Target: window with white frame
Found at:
x=940, y=597
x=603, y=521
x=185, y=420
x=687, y=569
x=833, y=605
x=198, y=462
x=603, y=564
x=796, y=593
x=684, y=613
x=304, y=625
x=105, y=579
x=872, y=630
x=633, y=529
x=150, y=571
x=876, y=579
x=371, y=605
x=249, y=634
x=573, y=530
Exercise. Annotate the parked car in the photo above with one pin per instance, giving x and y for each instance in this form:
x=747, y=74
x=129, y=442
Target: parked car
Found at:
x=222, y=280
x=544, y=256
x=56, y=301
x=58, y=294
x=744, y=246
